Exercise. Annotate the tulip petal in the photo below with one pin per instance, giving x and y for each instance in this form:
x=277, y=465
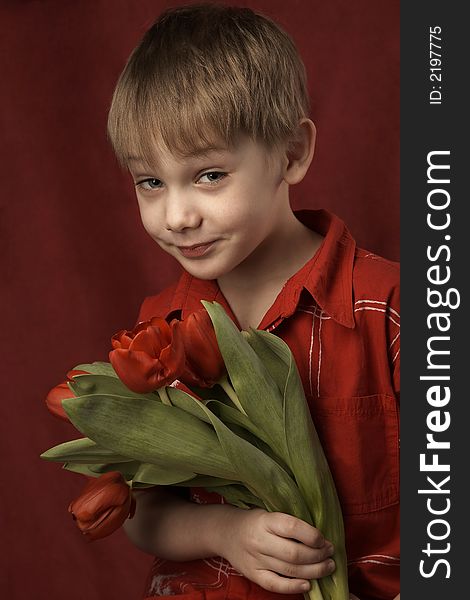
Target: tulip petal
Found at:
x=204, y=363
x=95, y=501
x=148, y=341
x=136, y=370
x=103, y=505
x=121, y=339
x=154, y=357
x=54, y=400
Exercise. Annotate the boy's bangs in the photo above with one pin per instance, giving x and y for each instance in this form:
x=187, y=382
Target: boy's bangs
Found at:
x=183, y=131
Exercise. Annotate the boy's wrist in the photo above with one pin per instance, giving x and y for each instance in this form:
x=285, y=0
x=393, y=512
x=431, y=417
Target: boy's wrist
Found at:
x=221, y=522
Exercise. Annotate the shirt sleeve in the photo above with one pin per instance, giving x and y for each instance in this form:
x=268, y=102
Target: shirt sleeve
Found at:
x=393, y=336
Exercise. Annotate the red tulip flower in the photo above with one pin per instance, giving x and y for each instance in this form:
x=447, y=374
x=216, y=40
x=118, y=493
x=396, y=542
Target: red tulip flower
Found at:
x=103, y=506
x=148, y=357
x=61, y=392
x=204, y=363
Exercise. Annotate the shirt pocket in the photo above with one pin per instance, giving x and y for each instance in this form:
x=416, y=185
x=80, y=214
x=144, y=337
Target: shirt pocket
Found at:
x=360, y=437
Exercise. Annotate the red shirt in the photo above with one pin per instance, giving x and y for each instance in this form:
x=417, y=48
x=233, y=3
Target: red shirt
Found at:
x=339, y=314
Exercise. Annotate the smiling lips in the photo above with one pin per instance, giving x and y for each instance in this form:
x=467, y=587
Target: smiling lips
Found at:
x=196, y=250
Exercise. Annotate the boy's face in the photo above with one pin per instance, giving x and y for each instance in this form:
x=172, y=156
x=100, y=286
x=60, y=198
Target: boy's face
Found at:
x=213, y=212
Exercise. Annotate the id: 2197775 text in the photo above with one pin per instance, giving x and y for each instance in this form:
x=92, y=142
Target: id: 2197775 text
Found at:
x=435, y=64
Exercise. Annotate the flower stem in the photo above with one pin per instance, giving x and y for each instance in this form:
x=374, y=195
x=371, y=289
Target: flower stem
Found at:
x=164, y=396
x=228, y=389
x=314, y=593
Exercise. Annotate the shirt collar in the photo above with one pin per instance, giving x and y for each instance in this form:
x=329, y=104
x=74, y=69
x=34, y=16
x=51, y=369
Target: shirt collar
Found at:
x=327, y=276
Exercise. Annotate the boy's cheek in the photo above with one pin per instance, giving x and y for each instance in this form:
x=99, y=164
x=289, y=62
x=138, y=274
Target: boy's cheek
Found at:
x=151, y=222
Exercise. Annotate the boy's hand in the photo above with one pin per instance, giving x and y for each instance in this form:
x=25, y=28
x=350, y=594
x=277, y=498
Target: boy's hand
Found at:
x=277, y=551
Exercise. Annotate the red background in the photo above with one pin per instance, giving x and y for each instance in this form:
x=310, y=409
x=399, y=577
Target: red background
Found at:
x=76, y=262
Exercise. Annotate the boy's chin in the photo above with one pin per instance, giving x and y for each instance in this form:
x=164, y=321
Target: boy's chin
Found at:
x=201, y=271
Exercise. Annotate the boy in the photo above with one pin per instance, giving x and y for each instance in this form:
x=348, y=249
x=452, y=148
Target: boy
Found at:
x=210, y=118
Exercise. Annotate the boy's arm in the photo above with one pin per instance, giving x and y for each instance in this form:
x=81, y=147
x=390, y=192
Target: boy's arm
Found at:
x=277, y=551
x=166, y=525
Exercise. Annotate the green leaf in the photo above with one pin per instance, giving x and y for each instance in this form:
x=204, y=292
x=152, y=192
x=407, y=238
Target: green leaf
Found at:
x=85, y=385
x=128, y=469
x=271, y=355
x=237, y=495
x=307, y=460
x=95, y=470
x=80, y=468
x=228, y=414
x=206, y=481
x=216, y=392
x=156, y=475
x=263, y=476
x=257, y=392
x=82, y=450
x=97, y=368
x=150, y=432
x=187, y=403
x=136, y=485
x=243, y=427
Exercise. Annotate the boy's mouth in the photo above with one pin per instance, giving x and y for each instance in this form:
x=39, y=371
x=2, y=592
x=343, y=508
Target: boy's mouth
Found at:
x=196, y=250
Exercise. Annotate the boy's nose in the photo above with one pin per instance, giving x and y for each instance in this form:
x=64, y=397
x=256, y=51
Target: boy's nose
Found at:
x=181, y=214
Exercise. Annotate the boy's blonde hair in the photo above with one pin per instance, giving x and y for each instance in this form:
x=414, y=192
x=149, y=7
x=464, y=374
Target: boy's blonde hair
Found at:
x=201, y=76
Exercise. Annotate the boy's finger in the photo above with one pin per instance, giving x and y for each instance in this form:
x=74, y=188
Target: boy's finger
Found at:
x=296, y=553
x=288, y=526
x=312, y=571
x=281, y=585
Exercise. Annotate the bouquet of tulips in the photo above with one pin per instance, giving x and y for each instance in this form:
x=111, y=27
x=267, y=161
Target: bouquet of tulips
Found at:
x=238, y=424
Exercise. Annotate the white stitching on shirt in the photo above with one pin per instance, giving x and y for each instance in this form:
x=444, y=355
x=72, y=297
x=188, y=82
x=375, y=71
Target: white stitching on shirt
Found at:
x=310, y=353
x=315, y=311
x=223, y=569
x=376, y=556
x=379, y=302
x=378, y=310
x=319, y=355
x=377, y=562
x=391, y=561
x=394, y=340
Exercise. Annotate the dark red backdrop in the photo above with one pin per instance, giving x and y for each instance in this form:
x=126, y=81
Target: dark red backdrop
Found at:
x=76, y=262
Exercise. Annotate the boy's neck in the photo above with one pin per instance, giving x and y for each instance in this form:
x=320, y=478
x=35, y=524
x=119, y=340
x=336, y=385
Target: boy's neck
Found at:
x=252, y=287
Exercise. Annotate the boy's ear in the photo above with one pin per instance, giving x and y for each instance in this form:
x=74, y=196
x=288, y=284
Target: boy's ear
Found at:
x=299, y=152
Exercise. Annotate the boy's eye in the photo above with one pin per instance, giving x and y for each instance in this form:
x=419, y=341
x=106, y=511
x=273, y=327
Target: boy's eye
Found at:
x=212, y=177
x=149, y=184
